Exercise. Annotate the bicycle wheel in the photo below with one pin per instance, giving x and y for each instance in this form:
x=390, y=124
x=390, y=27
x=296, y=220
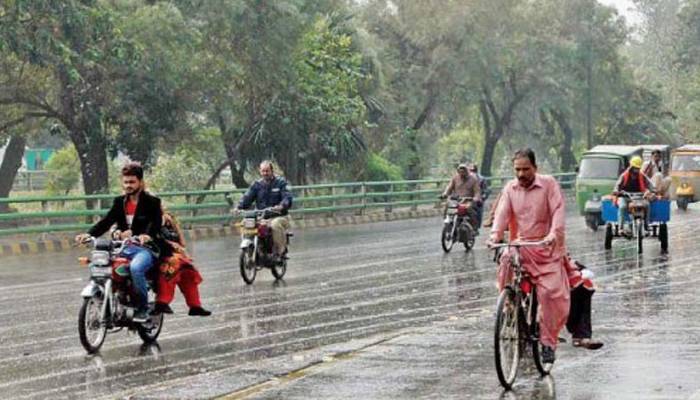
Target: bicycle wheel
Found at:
x=541, y=366
x=507, y=338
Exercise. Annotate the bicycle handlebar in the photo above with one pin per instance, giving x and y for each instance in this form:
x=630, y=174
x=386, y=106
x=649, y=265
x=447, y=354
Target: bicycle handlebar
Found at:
x=518, y=243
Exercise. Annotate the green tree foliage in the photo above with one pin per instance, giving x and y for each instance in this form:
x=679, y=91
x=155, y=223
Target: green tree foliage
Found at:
x=102, y=76
x=63, y=171
x=378, y=168
x=321, y=115
x=178, y=171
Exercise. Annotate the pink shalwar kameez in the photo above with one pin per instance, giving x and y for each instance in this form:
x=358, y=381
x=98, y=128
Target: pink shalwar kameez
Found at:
x=530, y=214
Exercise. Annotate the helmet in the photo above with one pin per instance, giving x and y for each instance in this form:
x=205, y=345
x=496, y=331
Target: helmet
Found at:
x=636, y=162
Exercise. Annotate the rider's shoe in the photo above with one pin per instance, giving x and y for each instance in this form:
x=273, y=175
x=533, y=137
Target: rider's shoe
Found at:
x=140, y=316
x=548, y=356
x=587, y=343
x=199, y=311
x=162, y=308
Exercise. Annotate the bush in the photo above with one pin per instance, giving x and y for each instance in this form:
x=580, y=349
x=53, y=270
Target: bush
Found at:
x=380, y=169
x=63, y=171
x=177, y=172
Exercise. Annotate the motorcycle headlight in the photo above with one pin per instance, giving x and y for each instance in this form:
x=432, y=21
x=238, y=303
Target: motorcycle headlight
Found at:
x=100, y=258
x=249, y=223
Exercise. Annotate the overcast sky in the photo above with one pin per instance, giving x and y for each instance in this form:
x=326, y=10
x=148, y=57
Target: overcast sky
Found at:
x=625, y=8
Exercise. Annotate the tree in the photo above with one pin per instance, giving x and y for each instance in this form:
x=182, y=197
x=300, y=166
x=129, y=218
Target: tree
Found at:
x=101, y=81
x=419, y=50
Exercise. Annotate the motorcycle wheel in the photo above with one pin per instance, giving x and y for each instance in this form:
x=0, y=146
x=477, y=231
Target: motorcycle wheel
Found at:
x=682, y=203
x=150, y=330
x=447, y=241
x=278, y=270
x=248, y=269
x=91, y=329
x=469, y=244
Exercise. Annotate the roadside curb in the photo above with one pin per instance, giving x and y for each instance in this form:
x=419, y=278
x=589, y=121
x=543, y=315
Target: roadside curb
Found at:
x=63, y=244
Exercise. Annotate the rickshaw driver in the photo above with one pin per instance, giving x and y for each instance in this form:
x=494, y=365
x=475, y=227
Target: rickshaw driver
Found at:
x=654, y=166
x=632, y=180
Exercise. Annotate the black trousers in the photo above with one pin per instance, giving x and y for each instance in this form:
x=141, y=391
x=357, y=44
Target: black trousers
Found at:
x=579, y=322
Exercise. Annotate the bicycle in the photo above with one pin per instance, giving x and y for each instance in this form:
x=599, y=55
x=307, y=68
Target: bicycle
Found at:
x=516, y=319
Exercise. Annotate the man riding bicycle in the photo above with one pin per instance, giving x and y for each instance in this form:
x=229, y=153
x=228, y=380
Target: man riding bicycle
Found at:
x=531, y=207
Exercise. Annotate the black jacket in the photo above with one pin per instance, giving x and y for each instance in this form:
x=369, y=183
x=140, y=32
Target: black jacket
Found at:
x=148, y=219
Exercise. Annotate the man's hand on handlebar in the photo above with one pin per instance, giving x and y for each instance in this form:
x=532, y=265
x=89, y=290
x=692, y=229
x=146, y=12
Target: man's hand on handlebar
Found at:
x=82, y=238
x=143, y=239
x=278, y=208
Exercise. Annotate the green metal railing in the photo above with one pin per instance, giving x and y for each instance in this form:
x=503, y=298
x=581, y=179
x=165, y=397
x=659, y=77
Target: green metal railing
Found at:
x=77, y=213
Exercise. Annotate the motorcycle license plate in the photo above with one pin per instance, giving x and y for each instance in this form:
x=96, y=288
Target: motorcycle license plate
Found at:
x=249, y=223
x=100, y=271
x=451, y=211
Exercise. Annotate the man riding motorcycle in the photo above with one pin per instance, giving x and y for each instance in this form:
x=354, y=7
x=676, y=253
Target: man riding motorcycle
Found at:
x=464, y=184
x=137, y=214
x=271, y=191
x=631, y=181
x=484, y=189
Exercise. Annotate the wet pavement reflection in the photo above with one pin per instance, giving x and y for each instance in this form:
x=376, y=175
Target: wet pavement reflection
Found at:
x=367, y=311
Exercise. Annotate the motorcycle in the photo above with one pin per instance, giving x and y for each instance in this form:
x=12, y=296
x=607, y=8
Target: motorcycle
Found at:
x=256, y=245
x=109, y=298
x=456, y=226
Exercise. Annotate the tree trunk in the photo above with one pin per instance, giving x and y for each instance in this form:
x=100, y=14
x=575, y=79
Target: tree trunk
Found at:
x=568, y=160
x=9, y=167
x=93, y=162
x=489, y=150
x=237, y=171
x=411, y=135
x=495, y=123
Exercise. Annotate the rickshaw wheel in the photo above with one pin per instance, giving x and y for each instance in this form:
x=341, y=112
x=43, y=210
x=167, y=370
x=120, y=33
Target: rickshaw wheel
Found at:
x=663, y=237
x=608, y=236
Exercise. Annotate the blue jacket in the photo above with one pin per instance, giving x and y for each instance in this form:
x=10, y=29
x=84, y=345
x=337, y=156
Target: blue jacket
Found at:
x=267, y=195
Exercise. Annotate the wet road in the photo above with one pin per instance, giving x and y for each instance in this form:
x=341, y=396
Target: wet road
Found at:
x=368, y=311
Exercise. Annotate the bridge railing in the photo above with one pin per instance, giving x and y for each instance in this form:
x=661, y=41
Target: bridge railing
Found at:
x=40, y=215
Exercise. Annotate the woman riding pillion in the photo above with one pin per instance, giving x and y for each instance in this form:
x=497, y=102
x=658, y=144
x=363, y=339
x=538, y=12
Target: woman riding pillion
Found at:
x=178, y=270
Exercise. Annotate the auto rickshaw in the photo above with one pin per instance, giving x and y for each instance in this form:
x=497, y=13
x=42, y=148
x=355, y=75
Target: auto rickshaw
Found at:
x=685, y=175
x=598, y=171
